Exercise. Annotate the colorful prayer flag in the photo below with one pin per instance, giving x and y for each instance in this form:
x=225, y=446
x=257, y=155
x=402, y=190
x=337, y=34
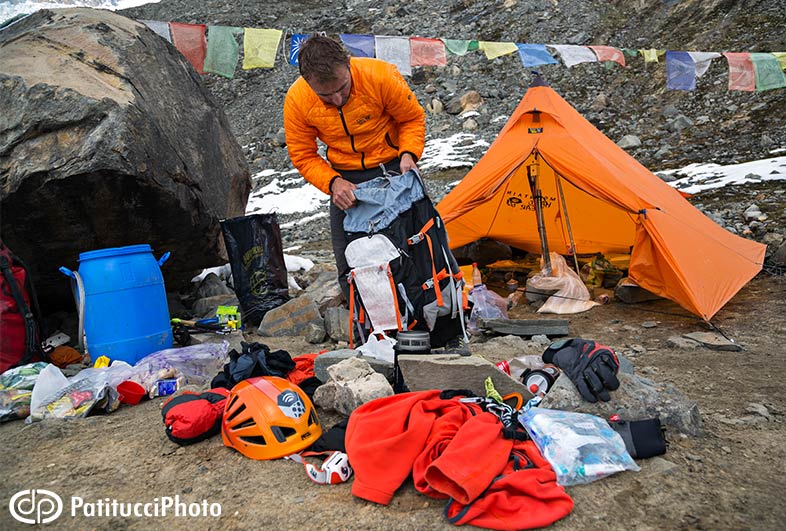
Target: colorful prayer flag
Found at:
x=609, y=53
x=160, y=27
x=394, y=50
x=497, y=49
x=650, y=56
x=190, y=41
x=295, y=43
x=427, y=52
x=535, y=55
x=702, y=61
x=358, y=45
x=680, y=71
x=768, y=72
x=260, y=47
x=457, y=47
x=741, y=73
x=223, y=50
x=781, y=57
x=572, y=54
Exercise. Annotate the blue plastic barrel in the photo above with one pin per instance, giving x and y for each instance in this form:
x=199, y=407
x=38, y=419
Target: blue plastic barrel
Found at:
x=126, y=316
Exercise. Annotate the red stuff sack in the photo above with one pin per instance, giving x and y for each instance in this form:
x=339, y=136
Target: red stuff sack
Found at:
x=192, y=417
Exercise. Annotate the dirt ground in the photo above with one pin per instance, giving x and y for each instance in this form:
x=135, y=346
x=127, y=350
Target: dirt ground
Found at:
x=731, y=477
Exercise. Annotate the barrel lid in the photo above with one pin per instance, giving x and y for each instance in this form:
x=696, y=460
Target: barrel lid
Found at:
x=115, y=251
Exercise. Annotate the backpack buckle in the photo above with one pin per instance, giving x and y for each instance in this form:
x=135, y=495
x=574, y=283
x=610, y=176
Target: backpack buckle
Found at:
x=416, y=238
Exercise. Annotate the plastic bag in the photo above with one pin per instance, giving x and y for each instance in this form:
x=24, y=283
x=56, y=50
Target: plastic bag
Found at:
x=194, y=365
x=16, y=390
x=259, y=272
x=54, y=396
x=572, y=295
x=488, y=305
x=380, y=349
x=580, y=447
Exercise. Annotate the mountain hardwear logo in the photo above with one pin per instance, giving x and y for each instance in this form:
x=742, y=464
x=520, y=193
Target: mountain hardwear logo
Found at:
x=35, y=506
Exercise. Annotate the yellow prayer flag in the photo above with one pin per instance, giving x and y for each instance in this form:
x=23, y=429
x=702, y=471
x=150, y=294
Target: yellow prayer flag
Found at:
x=781, y=59
x=497, y=49
x=650, y=56
x=260, y=47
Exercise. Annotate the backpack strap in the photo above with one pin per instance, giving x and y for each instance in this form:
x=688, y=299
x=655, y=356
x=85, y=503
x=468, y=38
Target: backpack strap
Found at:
x=417, y=238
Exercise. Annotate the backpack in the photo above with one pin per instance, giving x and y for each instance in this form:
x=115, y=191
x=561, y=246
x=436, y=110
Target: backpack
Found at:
x=403, y=275
x=19, y=313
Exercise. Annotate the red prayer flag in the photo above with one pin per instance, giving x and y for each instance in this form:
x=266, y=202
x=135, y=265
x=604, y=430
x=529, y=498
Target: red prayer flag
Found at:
x=427, y=52
x=189, y=39
x=609, y=53
x=742, y=76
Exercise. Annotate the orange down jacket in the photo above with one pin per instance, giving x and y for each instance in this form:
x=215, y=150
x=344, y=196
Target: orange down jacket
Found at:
x=381, y=120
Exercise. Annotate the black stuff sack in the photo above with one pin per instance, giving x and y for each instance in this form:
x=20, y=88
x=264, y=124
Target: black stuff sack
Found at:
x=256, y=256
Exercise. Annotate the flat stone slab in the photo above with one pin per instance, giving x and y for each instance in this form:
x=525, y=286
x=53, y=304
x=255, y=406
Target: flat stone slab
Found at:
x=526, y=327
x=450, y=371
x=714, y=341
x=328, y=359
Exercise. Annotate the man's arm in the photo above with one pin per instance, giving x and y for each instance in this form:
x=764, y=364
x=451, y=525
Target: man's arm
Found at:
x=302, y=146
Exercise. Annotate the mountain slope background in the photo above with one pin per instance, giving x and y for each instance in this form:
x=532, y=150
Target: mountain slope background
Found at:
x=728, y=126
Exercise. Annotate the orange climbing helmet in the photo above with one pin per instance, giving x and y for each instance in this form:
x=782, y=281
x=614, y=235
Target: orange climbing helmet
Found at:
x=269, y=418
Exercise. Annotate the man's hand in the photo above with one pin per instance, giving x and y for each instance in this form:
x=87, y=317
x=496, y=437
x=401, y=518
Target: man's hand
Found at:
x=407, y=163
x=343, y=193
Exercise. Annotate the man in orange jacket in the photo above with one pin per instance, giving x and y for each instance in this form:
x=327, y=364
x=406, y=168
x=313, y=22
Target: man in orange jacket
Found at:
x=365, y=113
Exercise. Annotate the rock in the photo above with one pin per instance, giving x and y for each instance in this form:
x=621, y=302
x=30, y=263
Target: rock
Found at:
x=210, y=286
x=469, y=124
x=471, y=101
x=636, y=398
x=351, y=383
x=204, y=308
x=290, y=319
x=325, y=291
x=315, y=332
x=110, y=116
x=337, y=324
x=600, y=102
x=435, y=106
x=451, y=371
x=679, y=123
x=713, y=340
x=682, y=343
x=629, y=141
x=323, y=362
x=778, y=258
x=628, y=292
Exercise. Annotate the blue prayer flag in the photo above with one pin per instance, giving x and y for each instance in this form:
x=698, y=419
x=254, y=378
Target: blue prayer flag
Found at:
x=680, y=71
x=535, y=55
x=294, y=47
x=358, y=45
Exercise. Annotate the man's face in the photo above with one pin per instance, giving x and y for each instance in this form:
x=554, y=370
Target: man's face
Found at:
x=335, y=92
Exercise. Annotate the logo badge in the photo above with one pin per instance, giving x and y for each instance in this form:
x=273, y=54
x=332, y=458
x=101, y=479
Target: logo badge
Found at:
x=35, y=506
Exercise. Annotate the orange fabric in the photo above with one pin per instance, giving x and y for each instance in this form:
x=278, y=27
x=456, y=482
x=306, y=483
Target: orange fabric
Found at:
x=304, y=367
x=381, y=120
x=611, y=203
x=524, y=496
x=453, y=450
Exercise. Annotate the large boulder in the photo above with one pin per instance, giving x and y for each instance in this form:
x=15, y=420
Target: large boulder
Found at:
x=108, y=138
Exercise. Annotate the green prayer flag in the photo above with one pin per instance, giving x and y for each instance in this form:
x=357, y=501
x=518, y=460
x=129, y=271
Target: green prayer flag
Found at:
x=223, y=50
x=768, y=72
x=456, y=47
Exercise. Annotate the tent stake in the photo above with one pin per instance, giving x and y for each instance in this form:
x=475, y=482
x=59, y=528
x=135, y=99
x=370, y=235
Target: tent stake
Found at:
x=567, y=223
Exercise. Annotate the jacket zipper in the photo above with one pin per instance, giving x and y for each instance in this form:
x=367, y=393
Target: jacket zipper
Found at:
x=390, y=142
x=352, y=139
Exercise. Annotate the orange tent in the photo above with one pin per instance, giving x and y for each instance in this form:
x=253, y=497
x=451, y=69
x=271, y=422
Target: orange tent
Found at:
x=596, y=198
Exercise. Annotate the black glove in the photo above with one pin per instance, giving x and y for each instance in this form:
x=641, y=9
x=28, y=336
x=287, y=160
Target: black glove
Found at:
x=591, y=367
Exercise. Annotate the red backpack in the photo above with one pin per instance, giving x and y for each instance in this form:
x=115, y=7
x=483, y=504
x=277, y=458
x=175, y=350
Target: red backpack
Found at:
x=19, y=313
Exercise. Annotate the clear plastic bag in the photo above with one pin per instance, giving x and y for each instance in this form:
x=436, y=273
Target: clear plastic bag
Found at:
x=572, y=295
x=580, y=447
x=487, y=305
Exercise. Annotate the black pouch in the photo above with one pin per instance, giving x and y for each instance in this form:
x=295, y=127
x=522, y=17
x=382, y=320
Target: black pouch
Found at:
x=643, y=438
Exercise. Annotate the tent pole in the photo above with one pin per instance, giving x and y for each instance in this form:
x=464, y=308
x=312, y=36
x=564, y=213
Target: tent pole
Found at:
x=567, y=222
x=533, y=172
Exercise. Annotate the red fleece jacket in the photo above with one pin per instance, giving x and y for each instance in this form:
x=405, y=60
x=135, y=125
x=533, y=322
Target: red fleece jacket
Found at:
x=453, y=450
